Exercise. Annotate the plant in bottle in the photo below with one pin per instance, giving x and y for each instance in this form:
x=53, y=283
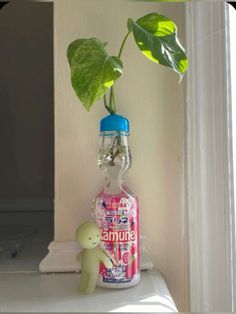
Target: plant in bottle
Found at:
x=94, y=72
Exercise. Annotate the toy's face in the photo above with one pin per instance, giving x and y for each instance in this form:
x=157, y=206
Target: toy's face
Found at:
x=88, y=235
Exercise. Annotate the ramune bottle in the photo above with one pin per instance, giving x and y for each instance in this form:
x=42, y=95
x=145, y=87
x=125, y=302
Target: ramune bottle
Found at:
x=116, y=208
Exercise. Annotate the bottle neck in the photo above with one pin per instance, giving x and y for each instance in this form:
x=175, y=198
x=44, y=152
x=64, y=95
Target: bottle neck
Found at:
x=114, y=160
x=113, y=181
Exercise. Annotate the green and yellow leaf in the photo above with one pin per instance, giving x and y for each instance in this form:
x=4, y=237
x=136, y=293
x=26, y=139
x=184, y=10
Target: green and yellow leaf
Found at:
x=93, y=71
x=156, y=37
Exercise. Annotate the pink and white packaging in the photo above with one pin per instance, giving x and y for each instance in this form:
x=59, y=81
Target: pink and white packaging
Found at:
x=117, y=217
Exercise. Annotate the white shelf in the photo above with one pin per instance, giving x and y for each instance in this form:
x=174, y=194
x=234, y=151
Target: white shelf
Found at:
x=35, y=292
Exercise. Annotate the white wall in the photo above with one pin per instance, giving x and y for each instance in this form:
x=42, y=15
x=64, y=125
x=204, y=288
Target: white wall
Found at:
x=150, y=96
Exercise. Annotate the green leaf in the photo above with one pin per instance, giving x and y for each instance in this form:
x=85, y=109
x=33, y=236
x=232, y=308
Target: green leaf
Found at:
x=93, y=71
x=73, y=47
x=156, y=37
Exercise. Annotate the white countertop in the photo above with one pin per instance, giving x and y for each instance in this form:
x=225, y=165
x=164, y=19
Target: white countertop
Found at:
x=35, y=292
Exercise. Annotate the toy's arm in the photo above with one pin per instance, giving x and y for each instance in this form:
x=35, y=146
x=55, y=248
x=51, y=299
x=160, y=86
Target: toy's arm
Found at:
x=79, y=256
x=104, y=259
x=111, y=257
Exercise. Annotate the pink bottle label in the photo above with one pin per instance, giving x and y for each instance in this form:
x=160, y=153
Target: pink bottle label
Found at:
x=118, y=220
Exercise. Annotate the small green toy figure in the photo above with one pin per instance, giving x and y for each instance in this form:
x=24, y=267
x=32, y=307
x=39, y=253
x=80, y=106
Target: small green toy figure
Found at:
x=88, y=236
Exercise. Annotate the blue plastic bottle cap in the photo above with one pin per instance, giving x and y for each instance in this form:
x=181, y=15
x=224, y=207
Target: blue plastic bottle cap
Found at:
x=114, y=122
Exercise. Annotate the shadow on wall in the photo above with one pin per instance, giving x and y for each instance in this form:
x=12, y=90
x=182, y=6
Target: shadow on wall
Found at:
x=26, y=101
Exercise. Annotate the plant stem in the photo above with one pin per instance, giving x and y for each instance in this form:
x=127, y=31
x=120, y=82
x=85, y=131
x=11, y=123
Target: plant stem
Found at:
x=110, y=110
x=112, y=101
x=122, y=45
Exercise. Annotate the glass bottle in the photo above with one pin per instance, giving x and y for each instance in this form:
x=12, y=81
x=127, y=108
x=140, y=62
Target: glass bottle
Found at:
x=116, y=208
